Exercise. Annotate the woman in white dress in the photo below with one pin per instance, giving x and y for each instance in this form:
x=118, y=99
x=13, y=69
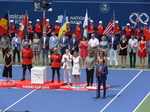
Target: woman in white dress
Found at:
x=76, y=68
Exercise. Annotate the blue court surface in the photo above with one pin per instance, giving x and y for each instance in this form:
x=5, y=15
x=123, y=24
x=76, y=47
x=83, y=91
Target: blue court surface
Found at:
x=128, y=89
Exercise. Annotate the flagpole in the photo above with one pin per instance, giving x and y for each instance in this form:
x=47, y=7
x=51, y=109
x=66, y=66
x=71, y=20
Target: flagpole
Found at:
x=138, y=20
x=8, y=23
x=27, y=21
x=114, y=19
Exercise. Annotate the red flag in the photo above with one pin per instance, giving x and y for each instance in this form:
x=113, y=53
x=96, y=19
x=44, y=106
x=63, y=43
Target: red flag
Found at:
x=110, y=26
x=44, y=22
x=148, y=35
x=21, y=28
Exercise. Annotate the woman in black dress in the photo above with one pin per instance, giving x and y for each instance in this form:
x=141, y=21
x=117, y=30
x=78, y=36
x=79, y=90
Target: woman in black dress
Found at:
x=8, y=60
x=123, y=50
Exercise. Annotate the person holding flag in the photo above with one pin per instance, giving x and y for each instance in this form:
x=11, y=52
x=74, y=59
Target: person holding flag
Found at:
x=69, y=30
x=100, y=30
x=128, y=31
x=56, y=27
x=30, y=30
x=48, y=27
x=91, y=28
x=145, y=30
x=78, y=31
x=117, y=29
x=12, y=29
x=38, y=28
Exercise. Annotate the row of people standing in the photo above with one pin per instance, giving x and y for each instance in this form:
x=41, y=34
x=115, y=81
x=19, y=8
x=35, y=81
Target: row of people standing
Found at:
x=128, y=31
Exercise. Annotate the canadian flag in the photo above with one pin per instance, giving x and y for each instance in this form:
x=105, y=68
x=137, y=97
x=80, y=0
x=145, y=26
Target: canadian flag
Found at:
x=85, y=24
x=21, y=28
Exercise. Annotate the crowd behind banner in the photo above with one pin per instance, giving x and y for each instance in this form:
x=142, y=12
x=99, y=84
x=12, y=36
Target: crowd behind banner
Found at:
x=75, y=50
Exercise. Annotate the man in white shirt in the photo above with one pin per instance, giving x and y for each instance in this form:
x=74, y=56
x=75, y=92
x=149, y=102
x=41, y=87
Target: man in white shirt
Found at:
x=67, y=66
x=93, y=44
x=133, y=44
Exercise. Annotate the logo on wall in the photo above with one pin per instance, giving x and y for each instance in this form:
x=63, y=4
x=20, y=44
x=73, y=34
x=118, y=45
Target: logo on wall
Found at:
x=104, y=8
x=60, y=17
x=143, y=18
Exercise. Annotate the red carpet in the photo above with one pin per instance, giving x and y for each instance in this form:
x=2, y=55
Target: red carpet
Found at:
x=4, y=84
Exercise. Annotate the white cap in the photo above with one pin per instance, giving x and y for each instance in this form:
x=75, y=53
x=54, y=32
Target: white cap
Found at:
x=47, y=19
x=68, y=22
x=145, y=23
x=20, y=24
x=100, y=21
x=91, y=21
x=37, y=20
x=116, y=22
x=11, y=20
x=77, y=23
x=57, y=21
x=128, y=24
x=30, y=22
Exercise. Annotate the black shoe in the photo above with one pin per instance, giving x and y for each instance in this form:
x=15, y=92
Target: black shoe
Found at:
x=52, y=81
x=70, y=84
x=58, y=81
x=103, y=97
x=87, y=85
x=22, y=79
x=65, y=83
x=133, y=66
x=91, y=84
x=97, y=97
x=130, y=66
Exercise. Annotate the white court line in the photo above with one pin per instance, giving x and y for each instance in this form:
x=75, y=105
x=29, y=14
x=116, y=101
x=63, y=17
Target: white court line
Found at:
x=19, y=100
x=141, y=102
x=121, y=91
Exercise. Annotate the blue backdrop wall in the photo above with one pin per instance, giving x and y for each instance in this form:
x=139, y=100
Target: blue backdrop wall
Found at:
x=75, y=10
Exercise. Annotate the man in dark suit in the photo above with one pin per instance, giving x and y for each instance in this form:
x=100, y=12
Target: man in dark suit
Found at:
x=64, y=41
x=113, y=42
x=45, y=46
x=74, y=42
x=101, y=72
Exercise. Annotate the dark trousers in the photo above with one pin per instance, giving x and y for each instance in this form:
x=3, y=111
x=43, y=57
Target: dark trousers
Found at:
x=39, y=35
x=89, y=36
x=18, y=54
x=63, y=50
x=89, y=76
x=128, y=37
x=31, y=36
x=4, y=51
x=70, y=36
x=103, y=82
x=118, y=37
x=100, y=37
x=55, y=69
x=132, y=62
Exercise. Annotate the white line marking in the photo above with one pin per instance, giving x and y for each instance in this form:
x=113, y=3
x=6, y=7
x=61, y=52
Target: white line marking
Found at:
x=141, y=102
x=121, y=91
x=19, y=100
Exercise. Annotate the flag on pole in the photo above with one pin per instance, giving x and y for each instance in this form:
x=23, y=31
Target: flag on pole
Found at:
x=44, y=22
x=24, y=23
x=62, y=26
x=85, y=24
x=148, y=35
x=4, y=25
x=136, y=21
x=110, y=26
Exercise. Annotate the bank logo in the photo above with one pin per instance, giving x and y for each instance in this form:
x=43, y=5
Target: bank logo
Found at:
x=104, y=8
x=60, y=17
x=143, y=18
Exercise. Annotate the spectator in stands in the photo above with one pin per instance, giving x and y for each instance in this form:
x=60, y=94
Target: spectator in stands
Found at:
x=142, y=51
x=83, y=46
x=93, y=44
x=16, y=42
x=5, y=42
x=26, y=39
x=113, y=42
x=123, y=45
x=133, y=44
x=89, y=65
x=104, y=45
x=36, y=49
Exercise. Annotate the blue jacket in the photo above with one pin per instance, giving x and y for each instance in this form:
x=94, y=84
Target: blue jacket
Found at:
x=53, y=43
x=104, y=69
x=115, y=42
x=66, y=41
x=16, y=44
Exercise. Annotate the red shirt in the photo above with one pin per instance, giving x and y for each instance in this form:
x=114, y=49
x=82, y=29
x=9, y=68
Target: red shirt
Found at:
x=56, y=59
x=78, y=32
x=12, y=28
x=117, y=30
x=30, y=29
x=27, y=56
x=56, y=29
x=144, y=31
x=38, y=28
x=68, y=31
x=91, y=29
x=100, y=30
x=128, y=31
x=48, y=28
x=137, y=33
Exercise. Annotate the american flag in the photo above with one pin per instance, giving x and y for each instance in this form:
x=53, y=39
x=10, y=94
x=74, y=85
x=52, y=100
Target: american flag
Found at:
x=110, y=26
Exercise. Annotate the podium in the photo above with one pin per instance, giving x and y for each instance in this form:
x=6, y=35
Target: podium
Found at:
x=38, y=75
